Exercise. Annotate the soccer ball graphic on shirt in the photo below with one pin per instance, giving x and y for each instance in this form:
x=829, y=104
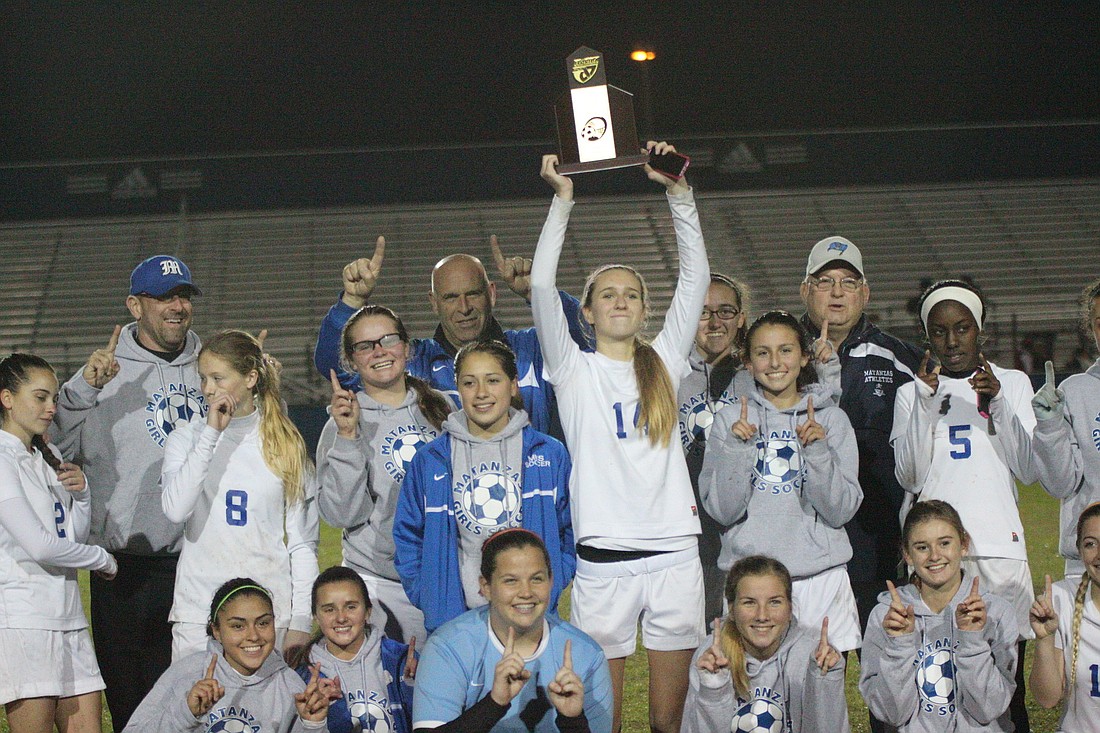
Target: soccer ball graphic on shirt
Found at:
x=780, y=461
x=401, y=448
x=230, y=725
x=175, y=409
x=699, y=421
x=406, y=446
x=758, y=716
x=936, y=677
x=491, y=500
x=370, y=717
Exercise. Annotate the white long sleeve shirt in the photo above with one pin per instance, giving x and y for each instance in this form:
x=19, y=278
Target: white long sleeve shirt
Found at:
x=235, y=518
x=42, y=528
x=626, y=493
x=944, y=450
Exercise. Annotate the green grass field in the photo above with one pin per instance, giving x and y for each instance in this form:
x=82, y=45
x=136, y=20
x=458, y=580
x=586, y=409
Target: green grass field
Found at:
x=1040, y=513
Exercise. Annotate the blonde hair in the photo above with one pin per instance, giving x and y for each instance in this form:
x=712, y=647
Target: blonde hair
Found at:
x=657, y=414
x=731, y=643
x=284, y=450
x=1090, y=512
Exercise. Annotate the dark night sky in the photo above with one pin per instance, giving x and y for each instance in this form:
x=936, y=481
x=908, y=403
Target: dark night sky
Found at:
x=142, y=79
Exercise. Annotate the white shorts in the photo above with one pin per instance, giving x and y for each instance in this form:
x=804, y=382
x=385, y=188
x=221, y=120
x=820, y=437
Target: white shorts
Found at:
x=665, y=591
x=828, y=593
x=44, y=663
x=393, y=612
x=190, y=638
x=1009, y=579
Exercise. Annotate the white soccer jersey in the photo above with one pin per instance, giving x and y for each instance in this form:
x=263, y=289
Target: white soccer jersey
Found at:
x=945, y=451
x=626, y=493
x=36, y=508
x=235, y=519
x=1082, y=703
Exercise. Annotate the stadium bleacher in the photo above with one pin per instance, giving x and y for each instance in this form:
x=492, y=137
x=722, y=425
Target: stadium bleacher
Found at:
x=1029, y=245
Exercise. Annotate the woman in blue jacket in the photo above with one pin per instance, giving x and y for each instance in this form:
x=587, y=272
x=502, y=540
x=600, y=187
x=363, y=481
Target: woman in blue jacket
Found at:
x=489, y=471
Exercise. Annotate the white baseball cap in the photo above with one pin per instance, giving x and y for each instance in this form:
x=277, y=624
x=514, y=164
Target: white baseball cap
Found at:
x=834, y=249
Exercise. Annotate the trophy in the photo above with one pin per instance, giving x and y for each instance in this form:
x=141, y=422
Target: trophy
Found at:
x=596, y=129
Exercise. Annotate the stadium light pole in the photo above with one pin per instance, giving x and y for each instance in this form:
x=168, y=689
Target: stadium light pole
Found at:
x=643, y=54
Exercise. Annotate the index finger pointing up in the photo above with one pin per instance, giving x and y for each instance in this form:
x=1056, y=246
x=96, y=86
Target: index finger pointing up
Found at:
x=974, y=587
x=379, y=253
x=810, y=409
x=567, y=658
x=744, y=408
x=212, y=667
x=498, y=256
x=1050, y=373
x=336, y=386
x=894, y=595
x=510, y=643
x=825, y=631
x=112, y=343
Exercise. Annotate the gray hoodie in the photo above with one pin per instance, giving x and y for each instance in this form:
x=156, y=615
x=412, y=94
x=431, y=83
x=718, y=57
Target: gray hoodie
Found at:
x=360, y=479
x=1066, y=455
x=117, y=435
x=497, y=459
x=938, y=678
x=705, y=391
x=263, y=702
x=777, y=497
x=788, y=684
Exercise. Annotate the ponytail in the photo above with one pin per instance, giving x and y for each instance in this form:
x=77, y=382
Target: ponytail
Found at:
x=734, y=650
x=434, y=406
x=657, y=413
x=1078, y=612
x=284, y=450
x=48, y=455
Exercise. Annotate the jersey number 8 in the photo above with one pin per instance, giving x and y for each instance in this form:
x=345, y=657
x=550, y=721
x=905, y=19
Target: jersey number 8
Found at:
x=236, y=508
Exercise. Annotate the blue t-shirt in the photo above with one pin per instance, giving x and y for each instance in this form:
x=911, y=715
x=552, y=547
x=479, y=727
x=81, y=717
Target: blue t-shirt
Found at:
x=457, y=666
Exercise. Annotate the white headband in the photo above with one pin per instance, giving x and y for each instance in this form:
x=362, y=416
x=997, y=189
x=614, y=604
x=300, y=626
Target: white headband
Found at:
x=968, y=298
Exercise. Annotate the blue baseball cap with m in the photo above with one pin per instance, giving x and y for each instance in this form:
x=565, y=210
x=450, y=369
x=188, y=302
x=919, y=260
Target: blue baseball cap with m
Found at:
x=159, y=275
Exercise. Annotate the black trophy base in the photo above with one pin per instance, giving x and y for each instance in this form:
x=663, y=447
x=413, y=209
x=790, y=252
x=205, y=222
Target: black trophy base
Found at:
x=606, y=164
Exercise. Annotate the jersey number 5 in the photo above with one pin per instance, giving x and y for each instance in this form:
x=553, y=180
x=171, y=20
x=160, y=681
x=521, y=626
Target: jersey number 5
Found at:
x=236, y=508
x=956, y=435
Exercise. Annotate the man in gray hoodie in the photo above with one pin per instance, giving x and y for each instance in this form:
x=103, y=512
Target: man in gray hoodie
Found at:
x=113, y=417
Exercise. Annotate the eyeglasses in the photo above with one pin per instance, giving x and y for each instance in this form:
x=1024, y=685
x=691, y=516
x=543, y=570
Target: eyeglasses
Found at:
x=848, y=284
x=724, y=313
x=367, y=345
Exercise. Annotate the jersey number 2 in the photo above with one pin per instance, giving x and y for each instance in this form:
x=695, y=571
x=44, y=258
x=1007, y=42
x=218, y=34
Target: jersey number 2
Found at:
x=236, y=508
x=59, y=520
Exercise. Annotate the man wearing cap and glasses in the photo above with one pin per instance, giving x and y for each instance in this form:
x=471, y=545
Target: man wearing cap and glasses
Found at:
x=873, y=364
x=112, y=418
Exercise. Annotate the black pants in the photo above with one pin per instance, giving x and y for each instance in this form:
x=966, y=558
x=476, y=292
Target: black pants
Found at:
x=133, y=639
x=1017, y=710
